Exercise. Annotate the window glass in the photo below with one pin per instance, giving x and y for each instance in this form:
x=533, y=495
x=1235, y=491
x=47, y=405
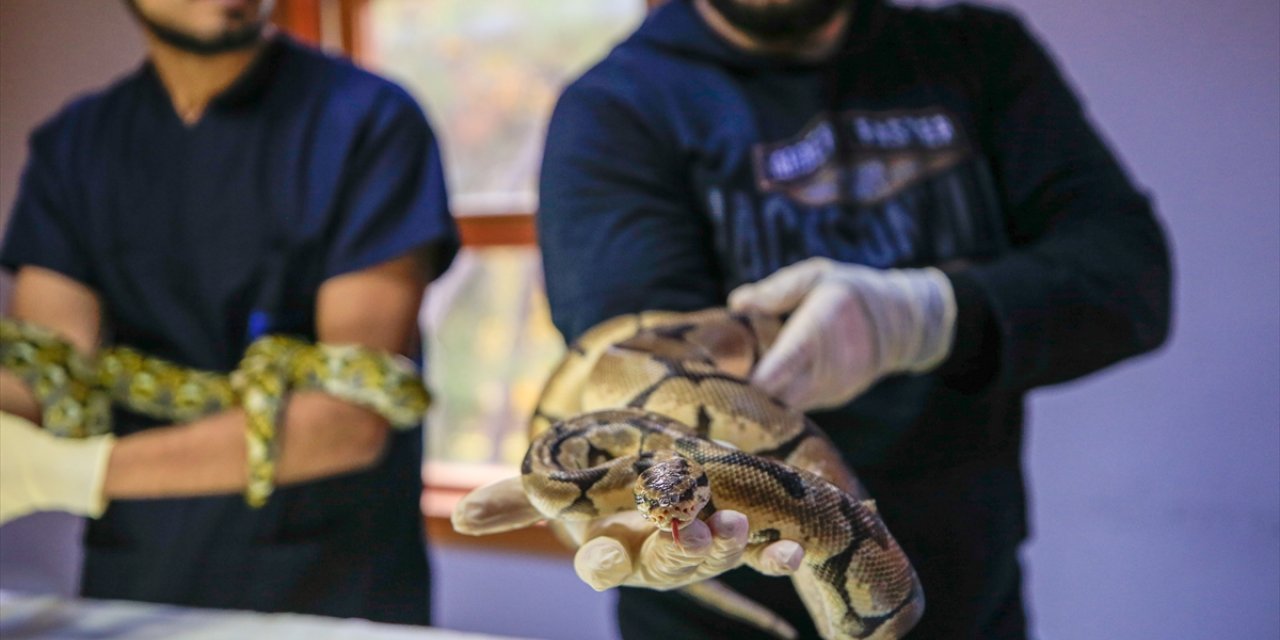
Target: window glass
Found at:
x=490, y=348
x=489, y=72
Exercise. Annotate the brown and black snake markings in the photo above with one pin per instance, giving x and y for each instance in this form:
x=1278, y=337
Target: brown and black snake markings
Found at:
x=663, y=398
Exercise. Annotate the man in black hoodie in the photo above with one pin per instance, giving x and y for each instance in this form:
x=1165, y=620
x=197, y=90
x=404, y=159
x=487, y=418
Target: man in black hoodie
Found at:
x=963, y=235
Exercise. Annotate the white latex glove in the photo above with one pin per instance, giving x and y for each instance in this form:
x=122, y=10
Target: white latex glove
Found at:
x=42, y=472
x=625, y=550
x=850, y=325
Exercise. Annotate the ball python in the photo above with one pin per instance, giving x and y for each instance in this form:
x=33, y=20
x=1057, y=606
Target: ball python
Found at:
x=653, y=411
x=76, y=393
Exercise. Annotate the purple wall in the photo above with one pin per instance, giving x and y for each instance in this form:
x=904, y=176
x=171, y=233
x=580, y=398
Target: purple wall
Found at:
x=1156, y=485
x=1156, y=509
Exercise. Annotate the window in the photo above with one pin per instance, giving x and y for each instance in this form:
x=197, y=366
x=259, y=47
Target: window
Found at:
x=488, y=73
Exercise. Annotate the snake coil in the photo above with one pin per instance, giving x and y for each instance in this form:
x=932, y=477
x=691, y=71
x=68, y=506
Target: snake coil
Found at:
x=76, y=393
x=641, y=389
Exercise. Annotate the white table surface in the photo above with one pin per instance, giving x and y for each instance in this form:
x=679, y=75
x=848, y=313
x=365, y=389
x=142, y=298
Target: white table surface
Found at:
x=25, y=616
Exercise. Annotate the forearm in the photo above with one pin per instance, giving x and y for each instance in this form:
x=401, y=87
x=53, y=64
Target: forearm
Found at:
x=320, y=436
x=57, y=303
x=1086, y=281
x=16, y=398
x=1089, y=294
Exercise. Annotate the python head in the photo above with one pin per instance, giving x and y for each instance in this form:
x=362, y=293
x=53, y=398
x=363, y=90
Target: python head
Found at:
x=672, y=492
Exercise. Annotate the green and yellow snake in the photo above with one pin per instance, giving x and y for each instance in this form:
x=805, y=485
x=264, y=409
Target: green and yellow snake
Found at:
x=653, y=411
x=76, y=393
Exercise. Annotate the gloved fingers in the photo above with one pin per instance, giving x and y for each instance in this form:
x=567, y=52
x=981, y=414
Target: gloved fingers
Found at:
x=603, y=563
x=832, y=380
x=825, y=353
x=496, y=507
x=781, y=558
x=795, y=352
x=625, y=549
x=13, y=501
x=664, y=564
x=729, y=530
x=627, y=527
x=797, y=390
x=783, y=290
x=783, y=376
x=42, y=472
x=618, y=547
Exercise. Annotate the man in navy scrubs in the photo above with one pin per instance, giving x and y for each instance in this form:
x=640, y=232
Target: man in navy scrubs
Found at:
x=923, y=194
x=237, y=184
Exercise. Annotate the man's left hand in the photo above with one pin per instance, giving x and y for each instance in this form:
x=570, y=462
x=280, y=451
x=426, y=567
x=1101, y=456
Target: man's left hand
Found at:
x=850, y=325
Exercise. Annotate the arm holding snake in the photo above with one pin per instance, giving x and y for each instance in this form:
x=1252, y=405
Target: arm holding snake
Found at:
x=374, y=307
x=651, y=219
x=60, y=304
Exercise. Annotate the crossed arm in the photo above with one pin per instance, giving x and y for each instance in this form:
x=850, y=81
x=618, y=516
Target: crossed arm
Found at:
x=321, y=436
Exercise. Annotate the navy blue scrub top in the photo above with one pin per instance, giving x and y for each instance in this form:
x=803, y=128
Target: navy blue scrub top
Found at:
x=200, y=238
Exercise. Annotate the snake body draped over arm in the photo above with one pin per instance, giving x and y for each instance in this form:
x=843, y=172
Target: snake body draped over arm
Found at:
x=641, y=390
x=76, y=393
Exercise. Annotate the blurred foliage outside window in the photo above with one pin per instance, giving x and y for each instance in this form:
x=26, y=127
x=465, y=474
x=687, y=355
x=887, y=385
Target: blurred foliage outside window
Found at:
x=487, y=73
x=490, y=347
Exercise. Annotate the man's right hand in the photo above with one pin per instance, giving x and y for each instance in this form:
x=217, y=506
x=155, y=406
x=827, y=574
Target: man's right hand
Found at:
x=42, y=472
x=623, y=549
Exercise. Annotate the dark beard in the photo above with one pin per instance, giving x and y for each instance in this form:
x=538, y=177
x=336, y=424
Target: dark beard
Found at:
x=783, y=23
x=235, y=39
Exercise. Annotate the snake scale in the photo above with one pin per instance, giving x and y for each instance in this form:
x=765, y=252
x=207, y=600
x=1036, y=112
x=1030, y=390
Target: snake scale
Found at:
x=653, y=411
x=76, y=393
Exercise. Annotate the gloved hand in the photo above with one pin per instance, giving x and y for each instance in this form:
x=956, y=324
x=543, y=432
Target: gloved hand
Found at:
x=42, y=472
x=624, y=549
x=850, y=326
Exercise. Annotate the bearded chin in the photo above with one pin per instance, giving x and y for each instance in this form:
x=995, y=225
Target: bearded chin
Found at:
x=782, y=22
x=235, y=39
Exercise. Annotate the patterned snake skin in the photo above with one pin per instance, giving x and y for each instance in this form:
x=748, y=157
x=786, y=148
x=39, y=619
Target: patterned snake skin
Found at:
x=76, y=394
x=639, y=390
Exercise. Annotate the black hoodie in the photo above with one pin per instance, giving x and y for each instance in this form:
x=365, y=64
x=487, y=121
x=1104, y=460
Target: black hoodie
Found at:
x=680, y=167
